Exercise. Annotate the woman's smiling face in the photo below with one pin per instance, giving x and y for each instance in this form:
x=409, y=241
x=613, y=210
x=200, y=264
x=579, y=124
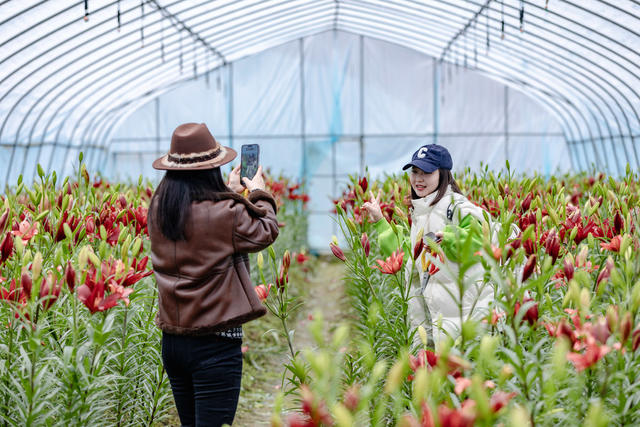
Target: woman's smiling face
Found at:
x=424, y=183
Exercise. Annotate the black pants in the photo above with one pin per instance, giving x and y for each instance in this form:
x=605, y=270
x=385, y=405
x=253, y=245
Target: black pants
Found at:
x=205, y=374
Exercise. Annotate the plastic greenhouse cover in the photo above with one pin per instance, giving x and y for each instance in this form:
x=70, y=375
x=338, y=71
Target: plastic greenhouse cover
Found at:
x=64, y=80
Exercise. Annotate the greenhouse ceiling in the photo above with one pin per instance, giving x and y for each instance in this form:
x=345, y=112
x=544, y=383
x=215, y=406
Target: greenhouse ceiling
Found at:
x=71, y=70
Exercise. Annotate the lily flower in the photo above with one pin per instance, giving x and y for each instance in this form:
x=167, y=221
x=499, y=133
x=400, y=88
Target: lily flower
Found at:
x=592, y=354
x=613, y=245
x=263, y=291
x=392, y=264
x=25, y=230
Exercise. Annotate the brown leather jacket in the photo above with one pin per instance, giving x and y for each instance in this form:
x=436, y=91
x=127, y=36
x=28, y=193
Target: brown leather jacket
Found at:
x=203, y=282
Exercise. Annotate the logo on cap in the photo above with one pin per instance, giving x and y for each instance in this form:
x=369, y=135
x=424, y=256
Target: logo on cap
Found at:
x=422, y=153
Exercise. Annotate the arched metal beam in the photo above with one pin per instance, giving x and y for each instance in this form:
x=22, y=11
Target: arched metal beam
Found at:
x=493, y=60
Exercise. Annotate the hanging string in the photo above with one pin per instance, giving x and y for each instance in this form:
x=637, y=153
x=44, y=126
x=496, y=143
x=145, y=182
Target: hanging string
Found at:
x=142, y=22
x=180, y=53
x=206, y=71
x=162, y=39
x=195, y=62
x=475, y=43
x=546, y=4
x=465, y=49
x=502, y=22
x=118, y=15
x=521, y=16
x=488, y=32
x=86, y=10
x=218, y=80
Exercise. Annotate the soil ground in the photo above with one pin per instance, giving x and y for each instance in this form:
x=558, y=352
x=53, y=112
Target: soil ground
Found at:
x=323, y=291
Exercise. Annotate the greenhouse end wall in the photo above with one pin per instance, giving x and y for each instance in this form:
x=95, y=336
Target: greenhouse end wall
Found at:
x=333, y=104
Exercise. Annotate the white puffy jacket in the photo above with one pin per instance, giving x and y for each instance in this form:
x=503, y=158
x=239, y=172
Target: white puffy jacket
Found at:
x=441, y=294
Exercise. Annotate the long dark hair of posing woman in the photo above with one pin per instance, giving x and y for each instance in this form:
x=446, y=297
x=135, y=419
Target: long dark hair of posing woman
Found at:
x=201, y=230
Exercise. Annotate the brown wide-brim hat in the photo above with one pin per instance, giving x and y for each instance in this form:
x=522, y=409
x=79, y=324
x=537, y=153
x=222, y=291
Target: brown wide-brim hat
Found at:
x=194, y=148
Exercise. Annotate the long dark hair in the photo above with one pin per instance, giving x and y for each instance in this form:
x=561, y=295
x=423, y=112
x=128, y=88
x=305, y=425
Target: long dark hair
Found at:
x=445, y=180
x=171, y=202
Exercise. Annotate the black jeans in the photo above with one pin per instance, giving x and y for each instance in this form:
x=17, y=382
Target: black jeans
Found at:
x=205, y=374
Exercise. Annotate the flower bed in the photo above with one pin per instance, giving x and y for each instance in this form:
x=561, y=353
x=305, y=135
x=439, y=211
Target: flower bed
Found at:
x=560, y=345
x=78, y=343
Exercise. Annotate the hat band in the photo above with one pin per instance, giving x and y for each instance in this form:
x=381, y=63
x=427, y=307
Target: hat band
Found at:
x=190, y=159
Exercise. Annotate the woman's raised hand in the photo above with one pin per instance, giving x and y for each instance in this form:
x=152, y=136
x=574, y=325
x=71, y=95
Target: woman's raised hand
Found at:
x=373, y=207
x=256, y=183
x=234, y=180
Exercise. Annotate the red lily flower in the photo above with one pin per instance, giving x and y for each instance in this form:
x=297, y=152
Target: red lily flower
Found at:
x=500, y=399
x=392, y=264
x=25, y=230
x=593, y=353
x=459, y=417
x=263, y=291
x=531, y=315
x=301, y=258
x=613, y=245
x=424, y=358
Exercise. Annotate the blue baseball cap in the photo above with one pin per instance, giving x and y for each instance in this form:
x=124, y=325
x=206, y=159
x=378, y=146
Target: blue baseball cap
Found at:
x=430, y=157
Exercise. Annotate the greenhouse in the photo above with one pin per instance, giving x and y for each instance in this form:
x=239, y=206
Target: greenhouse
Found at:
x=446, y=232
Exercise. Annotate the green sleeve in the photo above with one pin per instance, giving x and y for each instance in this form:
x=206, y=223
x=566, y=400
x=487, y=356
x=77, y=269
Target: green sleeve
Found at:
x=454, y=236
x=387, y=239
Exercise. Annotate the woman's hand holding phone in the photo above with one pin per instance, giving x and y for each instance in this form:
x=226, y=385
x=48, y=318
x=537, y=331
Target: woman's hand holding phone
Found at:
x=234, y=180
x=257, y=183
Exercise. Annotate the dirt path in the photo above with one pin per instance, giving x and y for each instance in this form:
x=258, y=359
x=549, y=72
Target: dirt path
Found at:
x=325, y=292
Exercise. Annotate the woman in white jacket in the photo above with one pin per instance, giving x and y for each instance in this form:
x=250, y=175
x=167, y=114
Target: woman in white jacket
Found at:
x=439, y=207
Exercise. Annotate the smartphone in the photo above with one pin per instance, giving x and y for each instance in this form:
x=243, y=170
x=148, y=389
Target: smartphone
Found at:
x=249, y=160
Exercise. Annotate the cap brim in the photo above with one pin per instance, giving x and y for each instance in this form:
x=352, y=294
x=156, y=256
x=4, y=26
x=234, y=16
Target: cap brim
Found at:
x=162, y=163
x=423, y=166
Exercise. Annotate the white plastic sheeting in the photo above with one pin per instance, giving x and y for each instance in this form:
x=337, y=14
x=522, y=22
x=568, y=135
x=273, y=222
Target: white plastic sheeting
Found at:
x=66, y=83
x=363, y=103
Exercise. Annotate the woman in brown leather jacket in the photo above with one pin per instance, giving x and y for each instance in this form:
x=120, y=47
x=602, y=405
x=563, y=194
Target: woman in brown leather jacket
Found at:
x=201, y=231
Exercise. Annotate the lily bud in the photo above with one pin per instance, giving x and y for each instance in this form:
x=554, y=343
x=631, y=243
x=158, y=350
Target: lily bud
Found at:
x=26, y=284
x=337, y=252
x=3, y=219
x=612, y=318
x=6, y=247
x=423, y=334
x=83, y=257
x=352, y=397
x=417, y=249
x=36, y=266
x=272, y=253
x=618, y=223
x=70, y=276
x=581, y=258
x=260, y=260
x=605, y=273
x=568, y=269
x=529, y=267
x=286, y=260
x=635, y=342
x=364, y=241
x=625, y=327
x=526, y=203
